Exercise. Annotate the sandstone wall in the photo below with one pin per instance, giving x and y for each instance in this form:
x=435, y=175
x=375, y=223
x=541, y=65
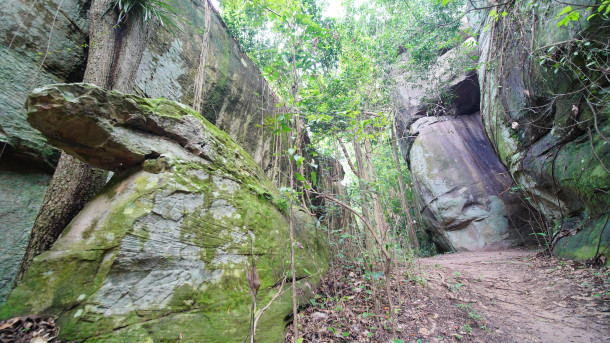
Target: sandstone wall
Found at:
x=42, y=42
x=540, y=122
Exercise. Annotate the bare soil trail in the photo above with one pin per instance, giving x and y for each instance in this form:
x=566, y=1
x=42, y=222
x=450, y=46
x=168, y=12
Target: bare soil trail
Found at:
x=484, y=297
x=518, y=297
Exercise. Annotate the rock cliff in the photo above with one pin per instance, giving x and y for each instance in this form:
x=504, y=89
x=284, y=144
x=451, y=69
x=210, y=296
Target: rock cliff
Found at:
x=462, y=190
x=45, y=42
x=161, y=254
x=40, y=43
x=545, y=109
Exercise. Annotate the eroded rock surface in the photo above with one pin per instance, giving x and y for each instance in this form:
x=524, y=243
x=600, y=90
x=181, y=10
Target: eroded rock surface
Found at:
x=30, y=57
x=45, y=42
x=161, y=254
x=31, y=54
x=550, y=133
x=462, y=190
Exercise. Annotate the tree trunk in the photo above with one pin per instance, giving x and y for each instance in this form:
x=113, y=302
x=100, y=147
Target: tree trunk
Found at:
x=403, y=193
x=378, y=211
x=115, y=51
x=73, y=185
x=364, y=190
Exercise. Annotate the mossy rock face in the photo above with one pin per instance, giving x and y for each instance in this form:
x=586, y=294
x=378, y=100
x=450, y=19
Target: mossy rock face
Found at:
x=161, y=254
x=235, y=96
x=593, y=240
x=539, y=121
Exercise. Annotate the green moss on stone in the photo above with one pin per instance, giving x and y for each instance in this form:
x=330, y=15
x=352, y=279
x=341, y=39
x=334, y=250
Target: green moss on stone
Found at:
x=594, y=238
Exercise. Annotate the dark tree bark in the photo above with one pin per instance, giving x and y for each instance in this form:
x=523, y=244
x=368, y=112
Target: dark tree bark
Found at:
x=73, y=185
x=115, y=51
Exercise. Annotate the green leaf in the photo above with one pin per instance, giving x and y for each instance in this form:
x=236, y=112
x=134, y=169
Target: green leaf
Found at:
x=299, y=160
x=564, y=11
x=300, y=340
x=300, y=177
x=398, y=341
x=314, y=178
x=563, y=21
x=291, y=151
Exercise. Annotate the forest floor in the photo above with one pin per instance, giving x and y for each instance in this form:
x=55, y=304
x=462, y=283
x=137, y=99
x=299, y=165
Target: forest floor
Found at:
x=502, y=296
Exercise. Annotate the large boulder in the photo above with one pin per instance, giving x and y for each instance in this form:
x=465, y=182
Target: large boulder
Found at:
x=545, y=109
x=161, y=254
x=45, y=42
x=462, y=190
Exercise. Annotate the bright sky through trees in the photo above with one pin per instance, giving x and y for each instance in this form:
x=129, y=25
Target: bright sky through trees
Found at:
x=333, y=7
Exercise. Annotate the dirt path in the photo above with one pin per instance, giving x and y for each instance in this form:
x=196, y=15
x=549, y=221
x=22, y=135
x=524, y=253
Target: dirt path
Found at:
x=518, y=297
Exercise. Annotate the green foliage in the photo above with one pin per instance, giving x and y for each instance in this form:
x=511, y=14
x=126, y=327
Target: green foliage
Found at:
x=336, y=73
x=281, y=35
x=569, y=14
x=163, y=10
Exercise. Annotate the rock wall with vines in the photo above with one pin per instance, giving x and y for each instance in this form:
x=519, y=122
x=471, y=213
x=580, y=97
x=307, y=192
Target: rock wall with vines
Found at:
x=545, y=91
x=198, y=64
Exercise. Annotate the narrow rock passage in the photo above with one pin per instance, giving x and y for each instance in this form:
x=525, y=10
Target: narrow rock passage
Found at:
x=519, y=297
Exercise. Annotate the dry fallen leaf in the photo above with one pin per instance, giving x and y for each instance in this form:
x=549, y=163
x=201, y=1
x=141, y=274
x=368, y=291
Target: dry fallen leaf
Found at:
x=424, y=331
x=38, y=339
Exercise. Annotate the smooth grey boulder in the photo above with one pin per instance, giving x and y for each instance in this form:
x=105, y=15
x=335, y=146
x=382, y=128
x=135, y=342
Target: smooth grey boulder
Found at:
x=447, y=90
x=462, y=190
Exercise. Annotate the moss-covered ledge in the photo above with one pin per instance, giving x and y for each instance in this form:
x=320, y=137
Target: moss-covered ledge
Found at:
x=162, y=252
